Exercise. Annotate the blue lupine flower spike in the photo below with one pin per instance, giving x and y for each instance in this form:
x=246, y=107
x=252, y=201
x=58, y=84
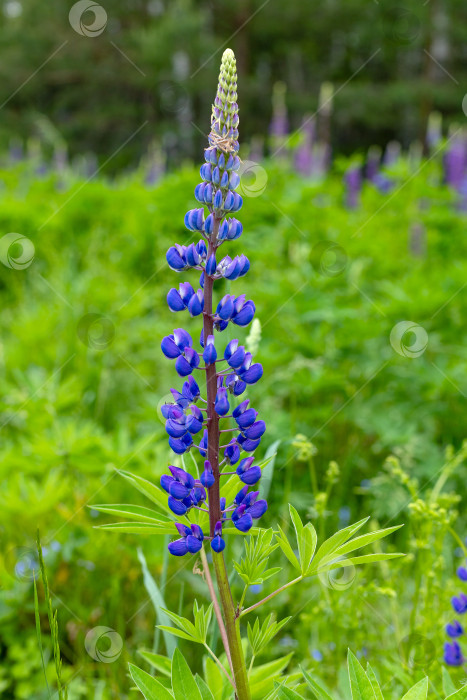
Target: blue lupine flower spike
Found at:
x=213, y=220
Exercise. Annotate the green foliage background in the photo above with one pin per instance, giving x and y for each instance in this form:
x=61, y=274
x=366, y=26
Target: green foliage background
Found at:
x=79, y=397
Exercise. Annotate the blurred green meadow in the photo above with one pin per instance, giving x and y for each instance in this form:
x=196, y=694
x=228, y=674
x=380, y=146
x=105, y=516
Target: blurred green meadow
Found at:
x=365, y=416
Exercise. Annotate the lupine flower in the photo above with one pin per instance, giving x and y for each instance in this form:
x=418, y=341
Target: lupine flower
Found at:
x=454, y=629
x=452, y=650
x=459, y=603
x=191, y=540
x=304, y=152
x=218, y=543
x=184, y=418
x=353, y=181
x=453, y=654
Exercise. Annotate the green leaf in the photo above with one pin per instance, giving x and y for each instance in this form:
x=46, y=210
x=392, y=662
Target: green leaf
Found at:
x=177, y=633
x=149, y=686
x=288, y=694
x=151, y=491
x=306, y=540
x=448, y=685
x=320, y=692
x=185, y=624
x=284, y=544
x=157, y=601
x=183, y=683
x=203, y=688
x=157, y=661
x=269, y=670
x=259, y=637
x=460, y=694
x=132, y=512
x=161, y=528
x=338, y=539
x=374, y=683
x=355, y=561
x=363, y=540
x=360, y=685
x=214, y=677
x=418, y=692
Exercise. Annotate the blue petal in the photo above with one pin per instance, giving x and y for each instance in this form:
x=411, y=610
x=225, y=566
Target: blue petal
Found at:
x=177, y=507
x=175, y=260
x=218, y=544
x=175, y=301
x=193, y=544
x=170, y=348
x=178, y=548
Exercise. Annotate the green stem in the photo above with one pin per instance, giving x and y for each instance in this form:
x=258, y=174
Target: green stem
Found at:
x=242, y=599
x=251, y=663
x=233, y=629
x=271, y=595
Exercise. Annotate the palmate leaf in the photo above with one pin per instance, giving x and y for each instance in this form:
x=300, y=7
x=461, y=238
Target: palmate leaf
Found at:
x=332, y=553
x=338, y=539
x=260, y=636
x=252, y=567
x=196, y=632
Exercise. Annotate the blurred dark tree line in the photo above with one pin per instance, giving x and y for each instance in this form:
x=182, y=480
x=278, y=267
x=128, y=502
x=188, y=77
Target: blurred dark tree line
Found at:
x=155, y=62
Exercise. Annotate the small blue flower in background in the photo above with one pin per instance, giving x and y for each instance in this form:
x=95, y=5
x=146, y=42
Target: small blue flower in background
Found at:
x=452, y=650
